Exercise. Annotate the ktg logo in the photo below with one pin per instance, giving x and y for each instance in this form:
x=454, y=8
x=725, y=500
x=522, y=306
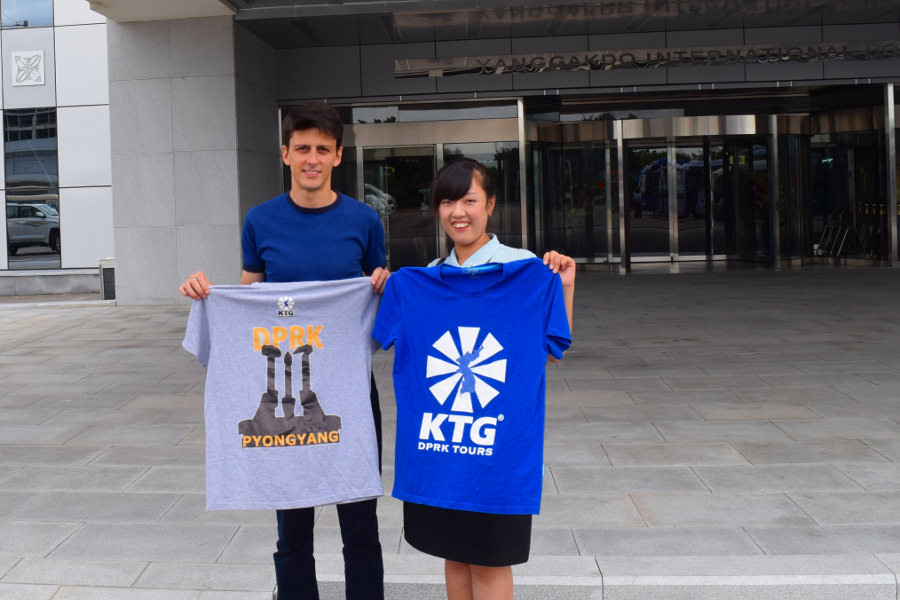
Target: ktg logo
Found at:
x=464, y=371
x=285, y=306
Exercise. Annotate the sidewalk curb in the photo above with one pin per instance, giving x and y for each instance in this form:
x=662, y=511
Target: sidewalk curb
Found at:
x=60, y=304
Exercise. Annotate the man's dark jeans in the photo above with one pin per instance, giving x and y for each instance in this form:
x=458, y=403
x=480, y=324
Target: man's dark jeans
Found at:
x=295, y=566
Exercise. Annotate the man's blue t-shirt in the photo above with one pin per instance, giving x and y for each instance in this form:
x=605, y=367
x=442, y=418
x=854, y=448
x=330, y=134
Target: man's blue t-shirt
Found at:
x=471, y=346
x=289, y=243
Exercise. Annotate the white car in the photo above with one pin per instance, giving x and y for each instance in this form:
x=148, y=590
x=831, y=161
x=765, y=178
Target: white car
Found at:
x=31, y=225
x=383, y=203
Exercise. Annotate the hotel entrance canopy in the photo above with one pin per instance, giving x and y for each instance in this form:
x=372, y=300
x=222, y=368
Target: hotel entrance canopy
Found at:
x=474, y=19
x=124, y=11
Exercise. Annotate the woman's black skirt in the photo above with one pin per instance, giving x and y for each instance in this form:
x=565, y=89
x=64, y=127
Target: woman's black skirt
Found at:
x=475, y=538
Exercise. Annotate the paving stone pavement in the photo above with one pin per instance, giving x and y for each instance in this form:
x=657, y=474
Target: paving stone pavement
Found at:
x=710, y=435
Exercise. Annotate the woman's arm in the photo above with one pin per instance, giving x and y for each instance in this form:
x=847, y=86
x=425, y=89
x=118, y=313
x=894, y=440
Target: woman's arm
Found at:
x=565, y=266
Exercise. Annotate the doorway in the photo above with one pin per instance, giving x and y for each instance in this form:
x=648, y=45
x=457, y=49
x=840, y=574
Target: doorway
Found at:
x=715, y=208
x=647, y=189
x=574, y=208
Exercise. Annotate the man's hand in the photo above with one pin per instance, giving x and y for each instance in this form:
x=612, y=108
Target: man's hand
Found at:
x=562, y=264
x=196, y=286
x=379, y=278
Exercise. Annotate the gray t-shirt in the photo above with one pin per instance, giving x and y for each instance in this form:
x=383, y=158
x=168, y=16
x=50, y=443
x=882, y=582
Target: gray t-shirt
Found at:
x=288, y=416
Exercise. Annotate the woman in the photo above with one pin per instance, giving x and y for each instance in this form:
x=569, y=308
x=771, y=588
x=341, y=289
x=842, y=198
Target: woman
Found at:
x=479, y=548
x=465, y=221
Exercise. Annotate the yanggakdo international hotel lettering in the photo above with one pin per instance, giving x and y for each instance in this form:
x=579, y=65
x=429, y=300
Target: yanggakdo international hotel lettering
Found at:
x=631, y=9
x=607, y=60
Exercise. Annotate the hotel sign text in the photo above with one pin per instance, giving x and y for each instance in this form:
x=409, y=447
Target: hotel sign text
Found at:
x=606, y=60
x=632, y=9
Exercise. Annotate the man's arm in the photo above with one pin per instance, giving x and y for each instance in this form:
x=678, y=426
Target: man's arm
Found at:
x=248, y=277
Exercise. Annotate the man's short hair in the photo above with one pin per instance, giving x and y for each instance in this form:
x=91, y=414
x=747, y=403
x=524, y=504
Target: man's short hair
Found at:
x=312, y=115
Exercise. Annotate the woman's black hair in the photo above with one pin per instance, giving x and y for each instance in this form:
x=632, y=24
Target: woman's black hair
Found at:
x=454, y=179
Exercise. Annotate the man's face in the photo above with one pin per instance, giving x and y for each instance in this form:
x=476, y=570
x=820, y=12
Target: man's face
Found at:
x=311, y=154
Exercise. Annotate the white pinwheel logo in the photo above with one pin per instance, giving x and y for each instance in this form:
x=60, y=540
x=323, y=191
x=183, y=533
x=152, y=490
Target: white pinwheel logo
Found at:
x=465, y=371
x=285, y=306
x=28, y=68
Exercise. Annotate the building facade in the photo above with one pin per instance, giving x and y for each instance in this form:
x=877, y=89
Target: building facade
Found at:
x=56, y=174
x=621, y=132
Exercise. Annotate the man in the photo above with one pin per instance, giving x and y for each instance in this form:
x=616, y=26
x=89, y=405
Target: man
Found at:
x=313, y=234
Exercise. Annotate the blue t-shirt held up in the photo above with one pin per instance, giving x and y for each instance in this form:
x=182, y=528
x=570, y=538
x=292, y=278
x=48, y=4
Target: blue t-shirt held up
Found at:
x=340, y=241
x=471, y=346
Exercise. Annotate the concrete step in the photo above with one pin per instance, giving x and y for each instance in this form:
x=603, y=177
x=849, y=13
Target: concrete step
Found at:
x=796, y=577
x=49, y=281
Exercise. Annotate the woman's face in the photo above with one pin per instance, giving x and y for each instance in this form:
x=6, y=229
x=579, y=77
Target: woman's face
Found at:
x=465, y=219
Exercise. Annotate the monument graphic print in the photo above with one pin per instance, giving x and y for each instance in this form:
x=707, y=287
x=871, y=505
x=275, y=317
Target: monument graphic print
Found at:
x=286, y=427
x=466, y=368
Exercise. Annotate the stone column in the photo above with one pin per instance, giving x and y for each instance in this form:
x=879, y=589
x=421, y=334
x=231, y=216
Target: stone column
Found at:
x=174, y=155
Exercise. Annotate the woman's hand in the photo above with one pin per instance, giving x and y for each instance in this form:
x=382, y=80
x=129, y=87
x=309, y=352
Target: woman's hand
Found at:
x=379, y=278
x=562, y=264
x=196, y=286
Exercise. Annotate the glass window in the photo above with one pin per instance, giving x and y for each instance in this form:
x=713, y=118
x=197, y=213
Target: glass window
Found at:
x=32, y=230
x=32, y=181
x=397, y=182
x=343, y=178
x=29, y=137
x=847, y=208
x=691, y=175
x=26, y=13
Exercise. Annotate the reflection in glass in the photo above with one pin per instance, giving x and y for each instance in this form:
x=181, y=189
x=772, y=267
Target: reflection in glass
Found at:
x=570, y=193
x=740, y=182
x=792, y=175
x=29, y=137
x=752, y=176
x=692, y=209
x=847, y=209
x=32, y=197
x=397, y=182
x=343, y=178
x=26, y=13
x=502, y=160
x=722, y=209
x=32, y=231
x=646, y=186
